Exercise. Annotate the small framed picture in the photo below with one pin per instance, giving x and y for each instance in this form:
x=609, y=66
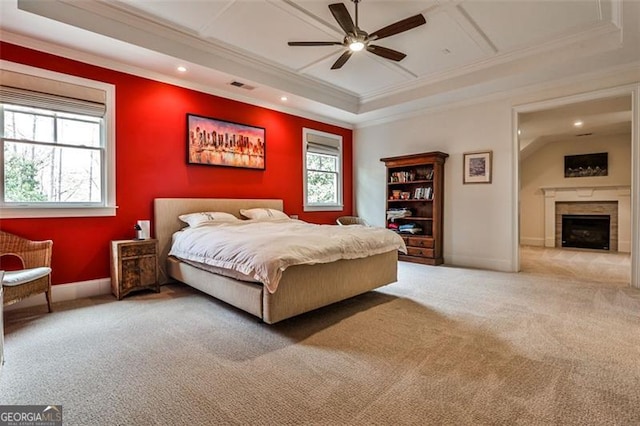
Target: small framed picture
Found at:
x=477, y=167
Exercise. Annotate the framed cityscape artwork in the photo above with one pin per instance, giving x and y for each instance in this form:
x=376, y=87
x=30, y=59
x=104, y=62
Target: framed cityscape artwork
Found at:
x=215, y=142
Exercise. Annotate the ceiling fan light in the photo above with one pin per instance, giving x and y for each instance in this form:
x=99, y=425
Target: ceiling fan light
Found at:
x=356, y=46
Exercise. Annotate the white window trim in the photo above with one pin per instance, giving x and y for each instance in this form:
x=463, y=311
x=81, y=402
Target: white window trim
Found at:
x=339, y=206
x=75, y=210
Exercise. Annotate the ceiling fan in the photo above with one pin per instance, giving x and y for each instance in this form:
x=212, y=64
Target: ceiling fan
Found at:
x=355, y=39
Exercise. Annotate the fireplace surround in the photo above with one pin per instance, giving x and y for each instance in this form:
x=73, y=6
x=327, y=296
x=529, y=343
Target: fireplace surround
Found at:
x=612, y=200
x=588, y=209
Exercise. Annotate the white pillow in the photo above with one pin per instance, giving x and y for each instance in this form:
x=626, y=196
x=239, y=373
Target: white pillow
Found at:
x=197, y=219
x=263, y=214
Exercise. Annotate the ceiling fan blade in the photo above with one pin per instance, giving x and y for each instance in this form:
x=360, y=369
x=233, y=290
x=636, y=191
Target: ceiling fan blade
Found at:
x=398, y=27
x=313, y=43
x=341, y=14
x=341, y=60
x=385, y=52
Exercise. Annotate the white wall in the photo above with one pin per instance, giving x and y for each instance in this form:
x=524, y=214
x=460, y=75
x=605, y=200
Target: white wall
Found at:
x=545, y=168
x=477, y=218
x=480, y=228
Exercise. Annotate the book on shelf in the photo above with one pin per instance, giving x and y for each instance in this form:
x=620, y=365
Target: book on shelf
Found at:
x=423, y=193
x=429, y=193
x=430, y=175
x=401, y=177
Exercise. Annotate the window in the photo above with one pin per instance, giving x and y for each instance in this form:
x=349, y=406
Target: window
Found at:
x=322, y=159
x=57, y=153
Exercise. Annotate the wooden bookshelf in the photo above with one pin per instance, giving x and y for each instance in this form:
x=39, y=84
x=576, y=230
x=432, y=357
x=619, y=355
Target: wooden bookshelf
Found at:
x=415, y=184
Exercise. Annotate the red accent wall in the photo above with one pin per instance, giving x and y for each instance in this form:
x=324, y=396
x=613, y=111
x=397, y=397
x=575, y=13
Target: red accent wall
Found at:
x=151, y=163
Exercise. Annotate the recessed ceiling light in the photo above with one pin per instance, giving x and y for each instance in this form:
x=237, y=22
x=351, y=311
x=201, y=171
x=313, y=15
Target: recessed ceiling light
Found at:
x=283, y=98
x=182, y=69
x=578, y=123
x=519, y=132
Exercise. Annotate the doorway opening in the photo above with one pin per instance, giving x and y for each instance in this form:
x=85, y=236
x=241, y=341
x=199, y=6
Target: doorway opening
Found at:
x=594, y=242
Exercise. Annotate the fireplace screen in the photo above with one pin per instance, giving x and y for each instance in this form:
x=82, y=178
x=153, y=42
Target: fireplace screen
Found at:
x=586, y=231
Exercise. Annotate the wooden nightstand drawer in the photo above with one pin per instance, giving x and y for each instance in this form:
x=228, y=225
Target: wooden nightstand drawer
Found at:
x=420, y=242
x=413, y=251
x=140, y=248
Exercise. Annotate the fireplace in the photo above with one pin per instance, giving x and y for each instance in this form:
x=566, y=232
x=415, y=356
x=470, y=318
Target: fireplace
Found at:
x=614, y=201
x=586, y=231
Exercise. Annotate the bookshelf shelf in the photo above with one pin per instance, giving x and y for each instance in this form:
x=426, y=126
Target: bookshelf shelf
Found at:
x=411, y=200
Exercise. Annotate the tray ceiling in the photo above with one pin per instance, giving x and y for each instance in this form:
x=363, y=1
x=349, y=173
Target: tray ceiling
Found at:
x=461, y=45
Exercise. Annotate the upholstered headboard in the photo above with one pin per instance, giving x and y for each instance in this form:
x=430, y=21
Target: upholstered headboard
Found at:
x=167, y=210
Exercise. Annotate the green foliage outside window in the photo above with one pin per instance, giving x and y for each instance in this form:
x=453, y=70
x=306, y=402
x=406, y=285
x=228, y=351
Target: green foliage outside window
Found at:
x=20, y=180
x=322, y=176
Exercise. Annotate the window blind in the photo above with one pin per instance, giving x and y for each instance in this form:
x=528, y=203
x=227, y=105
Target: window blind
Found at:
x=322, y=144
x=28, y=98
x=38, y=92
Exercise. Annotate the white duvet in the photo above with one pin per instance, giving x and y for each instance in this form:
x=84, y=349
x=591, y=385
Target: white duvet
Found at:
x=263, y=249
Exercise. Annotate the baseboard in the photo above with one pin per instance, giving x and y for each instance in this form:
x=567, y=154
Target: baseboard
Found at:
x=64, y=292
x=532, y=241
x=501, y=265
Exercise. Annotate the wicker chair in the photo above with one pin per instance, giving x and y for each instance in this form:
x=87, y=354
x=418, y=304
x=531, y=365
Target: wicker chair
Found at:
x=35, y=277
x=350, y=220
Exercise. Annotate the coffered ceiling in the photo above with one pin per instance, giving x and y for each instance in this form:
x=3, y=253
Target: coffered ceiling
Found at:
x=466, y=48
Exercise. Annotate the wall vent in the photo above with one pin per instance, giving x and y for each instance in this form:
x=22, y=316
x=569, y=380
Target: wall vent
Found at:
x=242, y=85
x=584, y=134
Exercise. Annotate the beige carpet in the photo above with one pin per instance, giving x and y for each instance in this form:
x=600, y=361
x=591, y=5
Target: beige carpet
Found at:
x=442, y=346
x=592, y=265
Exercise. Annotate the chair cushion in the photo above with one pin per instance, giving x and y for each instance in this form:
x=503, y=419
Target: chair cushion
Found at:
x=13, y=278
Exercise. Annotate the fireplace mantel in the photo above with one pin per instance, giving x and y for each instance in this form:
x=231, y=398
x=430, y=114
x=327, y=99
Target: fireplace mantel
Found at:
x=586, y=191
x=619, y=193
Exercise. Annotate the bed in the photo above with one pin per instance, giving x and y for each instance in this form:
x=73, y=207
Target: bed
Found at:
x=301, y=288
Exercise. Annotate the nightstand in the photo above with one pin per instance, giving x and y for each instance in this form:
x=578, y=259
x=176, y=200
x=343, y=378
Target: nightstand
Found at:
x=134, y=266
